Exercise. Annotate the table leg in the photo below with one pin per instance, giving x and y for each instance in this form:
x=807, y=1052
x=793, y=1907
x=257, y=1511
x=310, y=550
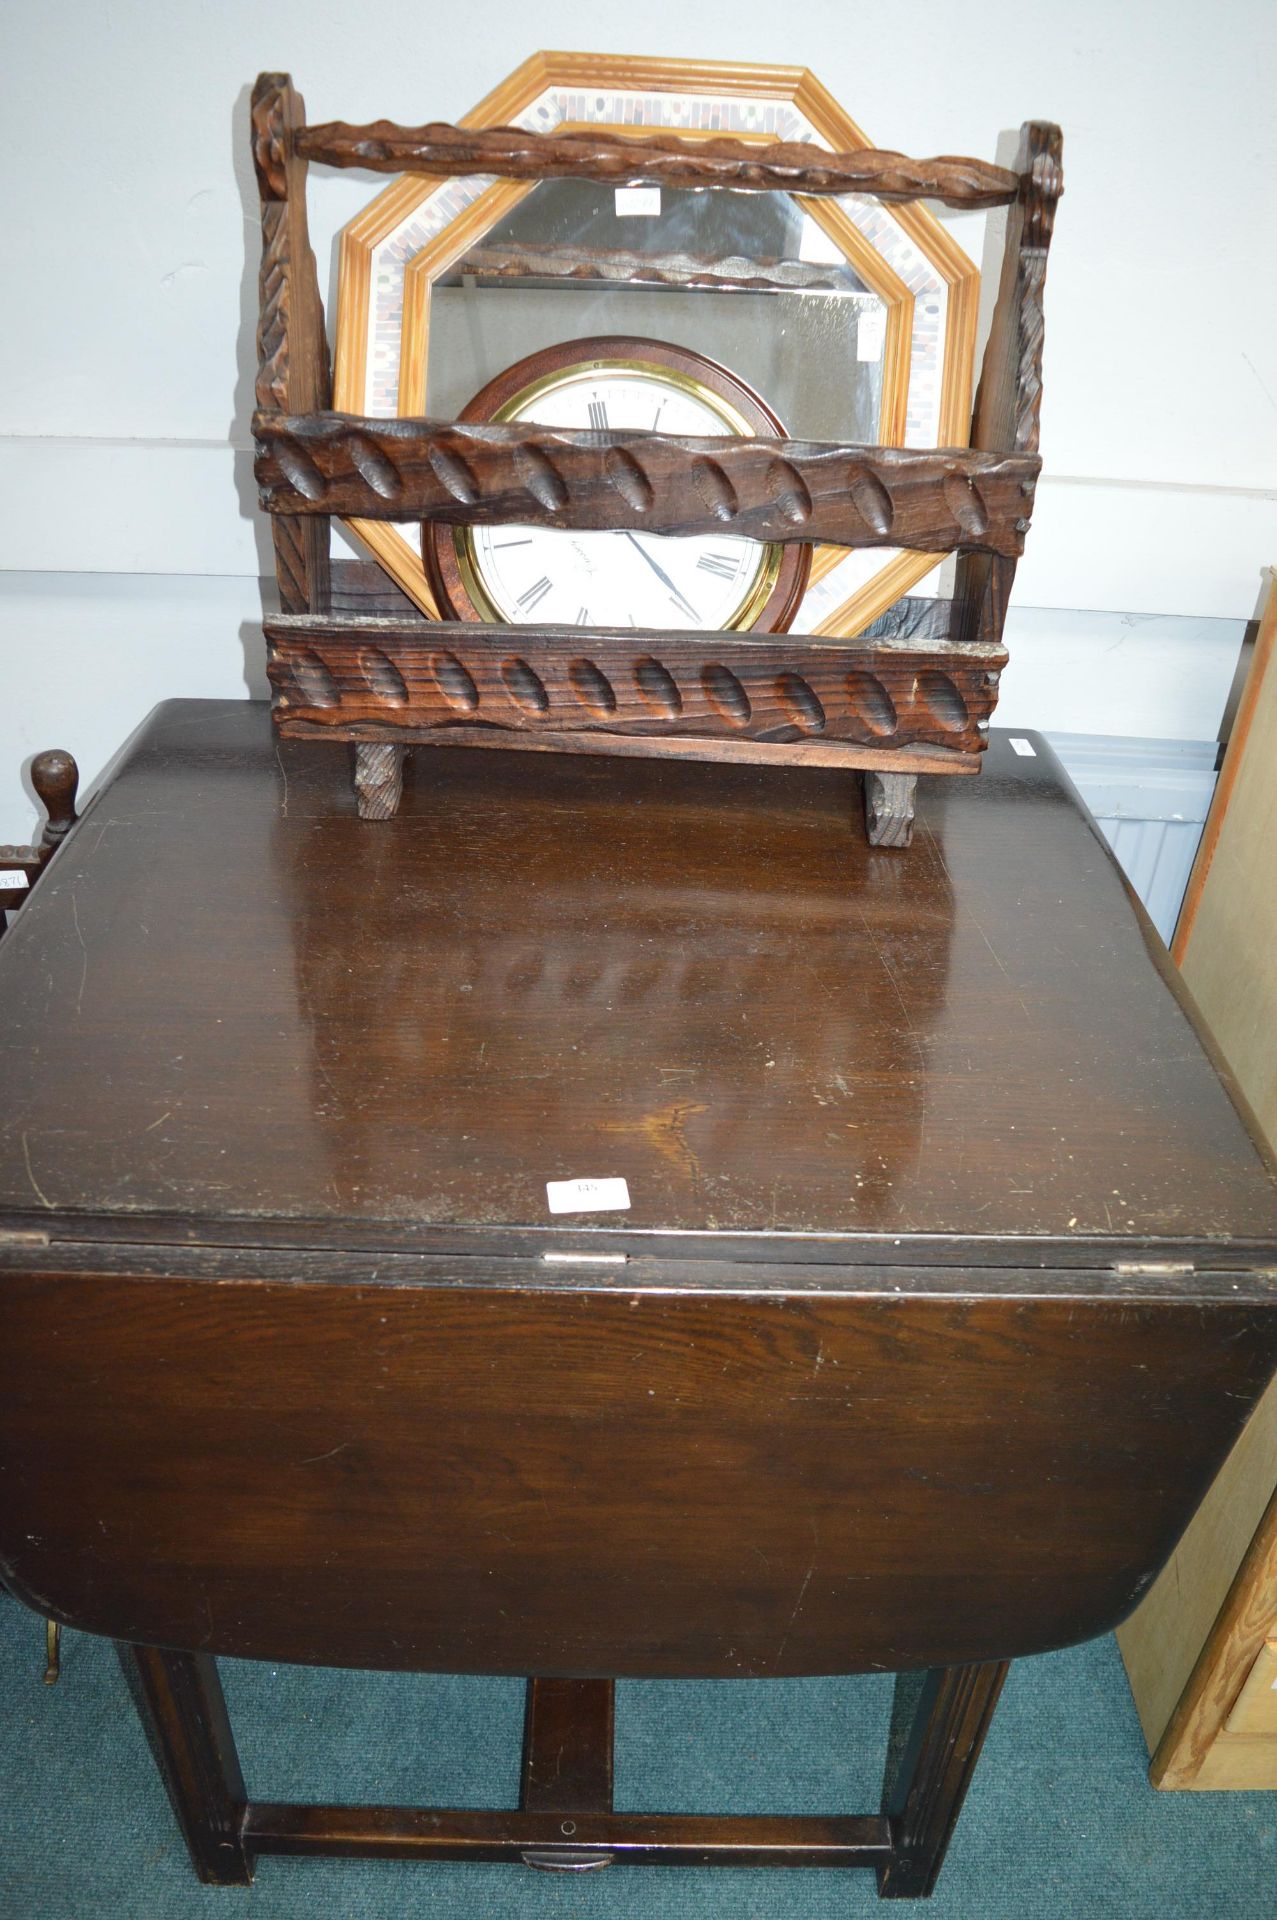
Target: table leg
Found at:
x=567, y=1764
x=938, y=1723
x=180, y=1700
x=565, y=1822
x=567, y=1746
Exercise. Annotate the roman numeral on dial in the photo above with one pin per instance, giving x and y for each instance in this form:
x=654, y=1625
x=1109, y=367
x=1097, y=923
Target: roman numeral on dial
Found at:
x=724, y=565
x=534, y=594
x=598, y=415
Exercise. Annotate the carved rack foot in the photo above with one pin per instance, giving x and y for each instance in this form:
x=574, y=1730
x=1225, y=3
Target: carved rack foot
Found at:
x=379, y=780
x=889, y=799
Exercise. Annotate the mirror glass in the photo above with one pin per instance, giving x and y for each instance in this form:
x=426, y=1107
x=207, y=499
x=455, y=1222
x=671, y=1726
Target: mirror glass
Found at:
x=751, y=280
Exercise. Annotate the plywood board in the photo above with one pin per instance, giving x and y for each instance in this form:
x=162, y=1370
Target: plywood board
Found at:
x=1163, y=1639
x=1226, y=941
x=1256, y=1708
x=1194, y=1647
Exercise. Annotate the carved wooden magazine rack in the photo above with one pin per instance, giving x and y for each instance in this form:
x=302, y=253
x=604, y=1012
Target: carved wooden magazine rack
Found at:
x=351, y=659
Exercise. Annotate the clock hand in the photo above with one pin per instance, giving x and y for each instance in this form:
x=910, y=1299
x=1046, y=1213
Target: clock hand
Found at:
x=664, y=578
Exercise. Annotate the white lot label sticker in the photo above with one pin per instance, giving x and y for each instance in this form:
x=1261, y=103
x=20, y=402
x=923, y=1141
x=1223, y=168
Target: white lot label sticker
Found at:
x=1025, y=751
x=637, y=200
x=587, y=1196
x=871, y=333
x=13, y=877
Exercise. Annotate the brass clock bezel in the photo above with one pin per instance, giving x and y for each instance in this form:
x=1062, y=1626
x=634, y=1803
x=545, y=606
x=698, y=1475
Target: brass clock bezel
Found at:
x=448, y=552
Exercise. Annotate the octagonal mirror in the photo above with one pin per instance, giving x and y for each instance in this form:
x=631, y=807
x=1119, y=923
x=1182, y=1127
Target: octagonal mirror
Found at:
x=845, y=319
x=753, y=281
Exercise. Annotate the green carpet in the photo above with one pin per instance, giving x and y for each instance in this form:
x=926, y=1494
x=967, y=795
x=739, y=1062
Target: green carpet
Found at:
x=1060, y=1821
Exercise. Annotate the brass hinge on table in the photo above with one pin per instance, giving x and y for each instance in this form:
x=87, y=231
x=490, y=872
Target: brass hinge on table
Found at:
x=1158, y=1268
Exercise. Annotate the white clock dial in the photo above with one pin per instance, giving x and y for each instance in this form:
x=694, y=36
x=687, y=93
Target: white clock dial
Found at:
x=560, y=578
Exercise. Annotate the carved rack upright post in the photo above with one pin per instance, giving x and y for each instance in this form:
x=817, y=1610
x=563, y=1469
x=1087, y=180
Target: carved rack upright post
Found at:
x=352, y=660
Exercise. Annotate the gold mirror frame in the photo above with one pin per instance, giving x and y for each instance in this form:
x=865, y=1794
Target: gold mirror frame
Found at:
x=930, y=276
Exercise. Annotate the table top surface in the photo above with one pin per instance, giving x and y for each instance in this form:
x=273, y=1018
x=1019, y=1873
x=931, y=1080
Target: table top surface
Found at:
x=232, y=1010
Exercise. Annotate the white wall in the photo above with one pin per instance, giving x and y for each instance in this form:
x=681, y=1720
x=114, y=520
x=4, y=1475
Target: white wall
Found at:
x=129, y=552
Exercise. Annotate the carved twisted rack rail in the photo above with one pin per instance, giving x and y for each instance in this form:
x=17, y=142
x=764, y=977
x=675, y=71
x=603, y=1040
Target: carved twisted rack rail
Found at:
x=350, y=659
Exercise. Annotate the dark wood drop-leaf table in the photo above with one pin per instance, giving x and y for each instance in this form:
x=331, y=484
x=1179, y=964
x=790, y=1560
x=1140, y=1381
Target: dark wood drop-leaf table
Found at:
x=948, y=1278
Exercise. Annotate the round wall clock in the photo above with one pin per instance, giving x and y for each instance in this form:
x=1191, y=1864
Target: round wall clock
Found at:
x=553, y=577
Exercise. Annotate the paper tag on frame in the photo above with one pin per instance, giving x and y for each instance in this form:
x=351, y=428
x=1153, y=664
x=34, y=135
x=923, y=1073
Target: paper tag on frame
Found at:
x=871, y=333
x=641, y=200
